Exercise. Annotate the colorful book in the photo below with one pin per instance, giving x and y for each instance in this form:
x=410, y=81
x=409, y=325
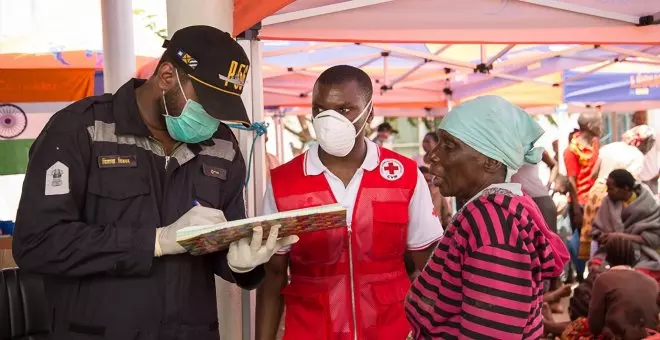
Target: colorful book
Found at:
x=199, y=240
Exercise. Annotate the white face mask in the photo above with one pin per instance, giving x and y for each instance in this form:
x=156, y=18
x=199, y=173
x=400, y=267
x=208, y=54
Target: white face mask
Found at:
x=335, y=133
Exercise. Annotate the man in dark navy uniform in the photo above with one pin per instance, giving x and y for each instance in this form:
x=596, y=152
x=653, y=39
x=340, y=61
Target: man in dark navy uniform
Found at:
x=112, y=178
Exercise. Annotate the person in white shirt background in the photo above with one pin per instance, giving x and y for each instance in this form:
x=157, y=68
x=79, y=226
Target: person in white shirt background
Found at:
x=651, y=170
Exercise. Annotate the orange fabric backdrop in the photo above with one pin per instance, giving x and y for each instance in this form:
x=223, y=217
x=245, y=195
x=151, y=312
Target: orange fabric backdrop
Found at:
x=75, y=59
x=45, y=85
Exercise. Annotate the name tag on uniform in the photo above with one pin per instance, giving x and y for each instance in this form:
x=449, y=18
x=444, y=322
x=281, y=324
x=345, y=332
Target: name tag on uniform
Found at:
x=117, y=162
x=212, y=171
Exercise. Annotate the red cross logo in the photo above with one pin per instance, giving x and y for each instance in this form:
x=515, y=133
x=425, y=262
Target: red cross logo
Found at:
x=391, y=169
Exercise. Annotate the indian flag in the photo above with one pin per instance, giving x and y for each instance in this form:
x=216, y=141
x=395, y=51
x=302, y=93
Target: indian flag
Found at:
x=14, y=143
x=14, y=151
x=28, y=99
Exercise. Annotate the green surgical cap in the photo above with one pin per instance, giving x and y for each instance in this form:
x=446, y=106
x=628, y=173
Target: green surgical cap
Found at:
x=497, y=129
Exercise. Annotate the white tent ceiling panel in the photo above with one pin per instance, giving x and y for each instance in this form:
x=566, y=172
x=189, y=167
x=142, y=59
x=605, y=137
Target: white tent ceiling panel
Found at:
x=471, y=21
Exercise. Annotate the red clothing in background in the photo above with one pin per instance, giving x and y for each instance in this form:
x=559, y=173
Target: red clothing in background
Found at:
x=580, y=160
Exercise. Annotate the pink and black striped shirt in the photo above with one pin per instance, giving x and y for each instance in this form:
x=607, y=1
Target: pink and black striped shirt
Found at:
x=485, y=278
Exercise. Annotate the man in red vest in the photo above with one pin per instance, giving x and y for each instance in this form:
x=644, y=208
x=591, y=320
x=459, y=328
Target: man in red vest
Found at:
x=346, y=283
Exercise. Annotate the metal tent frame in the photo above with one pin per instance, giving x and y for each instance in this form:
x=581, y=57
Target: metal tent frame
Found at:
x=419, y=77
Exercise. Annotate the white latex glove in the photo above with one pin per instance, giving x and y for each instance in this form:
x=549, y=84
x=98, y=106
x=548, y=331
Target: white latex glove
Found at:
x=166, y=237
x=245, y=254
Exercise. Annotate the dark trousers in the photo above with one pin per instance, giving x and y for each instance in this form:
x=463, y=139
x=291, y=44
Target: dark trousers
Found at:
x=548, y=210
x=574, y=244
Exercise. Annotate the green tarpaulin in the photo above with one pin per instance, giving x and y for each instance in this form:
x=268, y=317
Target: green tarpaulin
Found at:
x=14, y=156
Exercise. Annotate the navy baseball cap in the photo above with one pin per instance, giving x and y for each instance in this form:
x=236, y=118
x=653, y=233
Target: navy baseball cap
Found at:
x=217, y=66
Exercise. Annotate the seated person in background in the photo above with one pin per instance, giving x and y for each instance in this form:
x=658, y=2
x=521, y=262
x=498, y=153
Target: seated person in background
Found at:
x=631, y=212
x=623, y=301
x=578, y=309
x=621, y=255
x=627, y=155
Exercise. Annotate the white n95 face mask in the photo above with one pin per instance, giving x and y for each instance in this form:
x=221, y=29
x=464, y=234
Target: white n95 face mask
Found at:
x=335, y=133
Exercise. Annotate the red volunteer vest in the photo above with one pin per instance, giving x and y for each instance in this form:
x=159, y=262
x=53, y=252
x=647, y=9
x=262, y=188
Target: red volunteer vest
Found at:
x=349, y=283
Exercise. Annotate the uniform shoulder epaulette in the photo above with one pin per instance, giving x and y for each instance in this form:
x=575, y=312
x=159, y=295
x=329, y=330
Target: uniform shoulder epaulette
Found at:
x=83, y=105
x=226, y=133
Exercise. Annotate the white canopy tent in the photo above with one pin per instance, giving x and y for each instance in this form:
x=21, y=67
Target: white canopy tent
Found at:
x=382, y=23
x=468, y=21
x=421, y=79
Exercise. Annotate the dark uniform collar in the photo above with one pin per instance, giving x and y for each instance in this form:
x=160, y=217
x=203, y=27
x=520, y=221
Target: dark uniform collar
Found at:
x=125, y=110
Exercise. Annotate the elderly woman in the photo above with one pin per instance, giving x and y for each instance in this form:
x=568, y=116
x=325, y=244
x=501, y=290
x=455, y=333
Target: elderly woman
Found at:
x=485, y=278
x=629, y=211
